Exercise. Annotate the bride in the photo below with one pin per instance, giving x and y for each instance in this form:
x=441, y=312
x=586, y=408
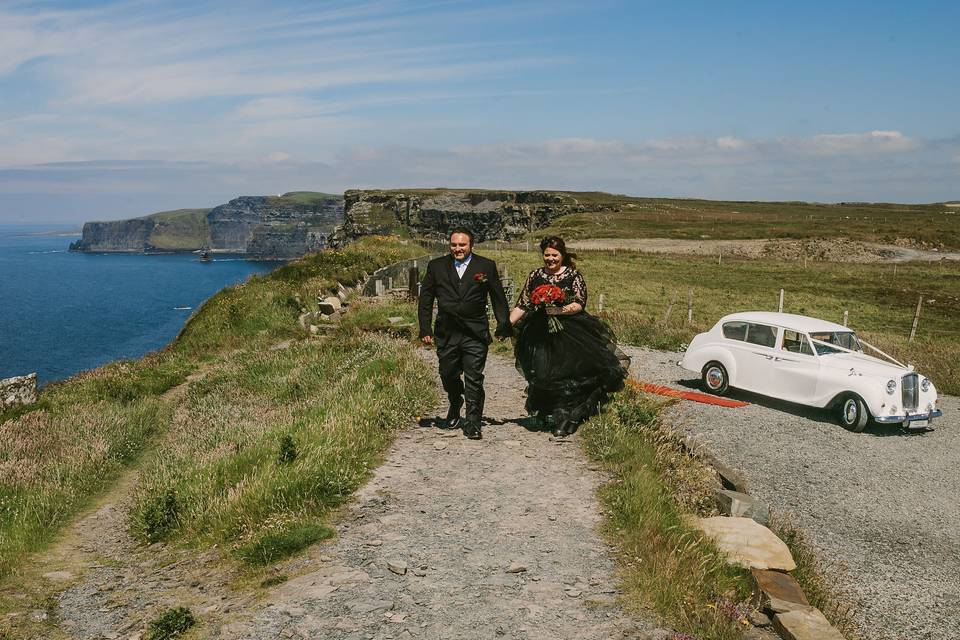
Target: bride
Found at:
x=569, y=358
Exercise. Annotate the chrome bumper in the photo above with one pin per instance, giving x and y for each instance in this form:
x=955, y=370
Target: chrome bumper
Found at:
x=910, y=417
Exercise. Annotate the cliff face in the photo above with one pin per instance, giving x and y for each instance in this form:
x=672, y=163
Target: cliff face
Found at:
x=117, y=235
x=260, y=226
x=431, y=214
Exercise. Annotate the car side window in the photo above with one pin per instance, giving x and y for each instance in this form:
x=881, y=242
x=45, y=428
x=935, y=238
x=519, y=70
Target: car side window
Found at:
x=735, y=330
x=761, y=334
x=796, y=342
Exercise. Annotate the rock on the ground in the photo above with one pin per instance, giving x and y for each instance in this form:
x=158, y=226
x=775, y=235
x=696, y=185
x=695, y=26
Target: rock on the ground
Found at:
x=748, y=543
x=805, y=624
x=780, y=592
x=740, y=505
x=398, y=567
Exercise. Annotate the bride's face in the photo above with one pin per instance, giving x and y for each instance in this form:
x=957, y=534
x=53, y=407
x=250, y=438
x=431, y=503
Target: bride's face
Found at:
x=552, y=258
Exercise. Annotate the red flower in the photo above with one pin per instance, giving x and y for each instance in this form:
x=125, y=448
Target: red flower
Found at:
x=480, y=277
x=547, y=294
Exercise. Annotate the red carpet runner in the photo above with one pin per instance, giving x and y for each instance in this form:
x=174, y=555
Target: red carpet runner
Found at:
x=662, y=390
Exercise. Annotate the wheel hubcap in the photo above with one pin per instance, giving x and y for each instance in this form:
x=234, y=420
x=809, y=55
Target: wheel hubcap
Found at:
x=850, y=411
x=714, y=378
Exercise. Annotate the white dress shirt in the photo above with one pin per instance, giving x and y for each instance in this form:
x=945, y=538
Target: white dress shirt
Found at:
x=461, y=265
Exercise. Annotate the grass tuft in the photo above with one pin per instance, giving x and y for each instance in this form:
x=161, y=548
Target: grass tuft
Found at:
x=290, y=538
x=170, y=624
x=288, y=449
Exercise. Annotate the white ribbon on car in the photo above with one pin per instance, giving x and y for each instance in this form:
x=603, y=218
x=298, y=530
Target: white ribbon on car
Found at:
x=837, y=347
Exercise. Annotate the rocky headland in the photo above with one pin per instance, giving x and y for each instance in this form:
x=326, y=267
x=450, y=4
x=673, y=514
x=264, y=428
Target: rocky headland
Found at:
x=430, y=214
x=284, y=226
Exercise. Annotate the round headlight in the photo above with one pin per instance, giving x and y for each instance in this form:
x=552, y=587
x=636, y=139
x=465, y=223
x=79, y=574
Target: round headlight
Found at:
x=891, y=386
x=925, y=385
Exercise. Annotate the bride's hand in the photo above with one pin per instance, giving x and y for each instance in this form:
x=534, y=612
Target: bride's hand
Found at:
x=554, y=311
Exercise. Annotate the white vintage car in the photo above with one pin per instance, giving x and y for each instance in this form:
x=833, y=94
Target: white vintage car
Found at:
x=811, y=362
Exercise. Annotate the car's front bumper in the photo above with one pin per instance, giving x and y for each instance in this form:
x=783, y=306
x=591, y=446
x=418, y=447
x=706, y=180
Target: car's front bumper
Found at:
x=910, y=417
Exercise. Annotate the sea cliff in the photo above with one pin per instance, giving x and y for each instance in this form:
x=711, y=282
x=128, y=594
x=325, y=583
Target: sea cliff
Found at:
x=430, y=214
x=284, y=226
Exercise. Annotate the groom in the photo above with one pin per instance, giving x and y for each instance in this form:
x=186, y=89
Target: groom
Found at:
x=460, y=283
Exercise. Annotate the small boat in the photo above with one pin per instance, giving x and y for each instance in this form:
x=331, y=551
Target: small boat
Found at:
x=205, y=255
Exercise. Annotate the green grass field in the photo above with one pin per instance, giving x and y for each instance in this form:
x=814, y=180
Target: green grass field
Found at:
x=930, y=225
x=639, y=288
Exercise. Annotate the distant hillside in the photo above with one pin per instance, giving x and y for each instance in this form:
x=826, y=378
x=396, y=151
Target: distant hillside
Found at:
x=283, y=226
x=504, y=215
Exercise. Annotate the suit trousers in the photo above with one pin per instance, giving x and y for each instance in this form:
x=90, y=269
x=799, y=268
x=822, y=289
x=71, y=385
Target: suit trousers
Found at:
x=467, y=358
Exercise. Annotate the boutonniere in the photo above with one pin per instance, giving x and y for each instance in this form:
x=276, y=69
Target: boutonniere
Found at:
x=480, y=277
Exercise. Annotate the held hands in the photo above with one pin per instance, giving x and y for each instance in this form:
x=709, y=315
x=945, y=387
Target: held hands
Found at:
x=427, y=340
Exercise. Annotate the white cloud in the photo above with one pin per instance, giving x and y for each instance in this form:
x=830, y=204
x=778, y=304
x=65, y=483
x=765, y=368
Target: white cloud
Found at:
x=853, y=143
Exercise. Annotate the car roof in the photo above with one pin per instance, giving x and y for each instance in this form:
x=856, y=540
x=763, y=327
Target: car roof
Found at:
x=786, y=320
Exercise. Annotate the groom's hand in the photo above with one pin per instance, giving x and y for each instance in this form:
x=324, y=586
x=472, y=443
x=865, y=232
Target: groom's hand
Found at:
x=427, y=340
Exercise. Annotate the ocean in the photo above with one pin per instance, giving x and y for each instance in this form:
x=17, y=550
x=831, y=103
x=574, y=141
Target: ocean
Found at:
x=62, y=312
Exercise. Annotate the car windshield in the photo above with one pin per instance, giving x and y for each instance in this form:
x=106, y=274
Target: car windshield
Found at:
x=845, y=339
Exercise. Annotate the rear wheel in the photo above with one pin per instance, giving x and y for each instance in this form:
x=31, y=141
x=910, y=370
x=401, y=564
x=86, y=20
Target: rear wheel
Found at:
x=852, y=412
x=714, y=378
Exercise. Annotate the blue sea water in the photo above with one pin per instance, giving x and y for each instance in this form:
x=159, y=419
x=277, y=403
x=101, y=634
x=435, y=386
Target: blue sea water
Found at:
x=62, y=312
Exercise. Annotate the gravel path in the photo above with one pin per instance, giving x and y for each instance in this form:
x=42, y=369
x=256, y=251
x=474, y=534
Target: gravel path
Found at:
x=454, y=538
x=883, y=504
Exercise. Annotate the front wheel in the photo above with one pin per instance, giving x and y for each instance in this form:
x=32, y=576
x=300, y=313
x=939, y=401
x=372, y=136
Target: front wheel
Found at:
x=715, y=379
x=853, y=413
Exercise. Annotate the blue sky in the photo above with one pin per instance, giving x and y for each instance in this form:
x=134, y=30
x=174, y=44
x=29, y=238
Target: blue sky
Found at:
x=113, y=109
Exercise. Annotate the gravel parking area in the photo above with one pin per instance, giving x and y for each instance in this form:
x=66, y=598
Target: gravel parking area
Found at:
x=882, y=505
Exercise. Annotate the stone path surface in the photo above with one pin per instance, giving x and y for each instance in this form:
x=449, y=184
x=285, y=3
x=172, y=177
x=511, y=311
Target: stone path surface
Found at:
x=880, y=506
x=454, y=538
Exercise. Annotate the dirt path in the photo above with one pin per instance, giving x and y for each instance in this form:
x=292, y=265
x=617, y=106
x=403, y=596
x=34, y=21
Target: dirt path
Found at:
x=451, y=538
x=454, y=538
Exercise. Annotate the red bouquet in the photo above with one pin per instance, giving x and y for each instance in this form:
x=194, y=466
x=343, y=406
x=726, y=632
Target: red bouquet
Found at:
x=549, y=295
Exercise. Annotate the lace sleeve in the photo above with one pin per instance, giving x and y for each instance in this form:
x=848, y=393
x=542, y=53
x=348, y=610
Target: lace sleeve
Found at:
x=524, y=300
x=579, y=286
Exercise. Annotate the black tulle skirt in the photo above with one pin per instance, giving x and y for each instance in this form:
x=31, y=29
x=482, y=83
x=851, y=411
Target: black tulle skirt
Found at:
x=569, y=373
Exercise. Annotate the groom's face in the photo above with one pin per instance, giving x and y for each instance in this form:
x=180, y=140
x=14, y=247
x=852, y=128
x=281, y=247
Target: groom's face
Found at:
x=460, y=245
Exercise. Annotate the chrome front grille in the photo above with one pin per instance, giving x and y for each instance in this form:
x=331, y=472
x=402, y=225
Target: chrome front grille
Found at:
x=910, y=386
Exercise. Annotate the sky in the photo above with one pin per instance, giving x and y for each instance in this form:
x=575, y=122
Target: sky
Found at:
x=116, y=109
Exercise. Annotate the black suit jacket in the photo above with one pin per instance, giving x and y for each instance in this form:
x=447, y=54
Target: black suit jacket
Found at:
x=462, y=302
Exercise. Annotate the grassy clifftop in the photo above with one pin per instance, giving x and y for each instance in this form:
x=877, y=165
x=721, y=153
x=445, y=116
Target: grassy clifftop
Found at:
x=238, y=443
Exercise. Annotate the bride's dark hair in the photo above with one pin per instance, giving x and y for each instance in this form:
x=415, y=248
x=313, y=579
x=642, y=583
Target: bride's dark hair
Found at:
x=556, y=242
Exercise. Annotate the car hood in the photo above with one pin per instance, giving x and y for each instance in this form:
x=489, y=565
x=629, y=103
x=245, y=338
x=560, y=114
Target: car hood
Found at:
x=863, y=365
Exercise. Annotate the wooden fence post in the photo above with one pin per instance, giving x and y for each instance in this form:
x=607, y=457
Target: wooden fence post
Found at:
x=916, y=319
x=690, y=306
x=719, y=257
x=845, y=317
x=780, y=305
x=600, y=304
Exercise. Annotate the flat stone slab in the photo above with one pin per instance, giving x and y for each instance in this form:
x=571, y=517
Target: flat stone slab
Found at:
x=781, y=591
x=740, y=505
x=805, y=624
x=747, y=543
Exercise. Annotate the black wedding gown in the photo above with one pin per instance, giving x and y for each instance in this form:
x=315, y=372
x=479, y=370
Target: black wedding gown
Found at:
x=570, y=372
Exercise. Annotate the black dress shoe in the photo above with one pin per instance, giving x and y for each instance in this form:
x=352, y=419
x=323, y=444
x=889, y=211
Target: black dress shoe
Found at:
x=453, y=417
x=471, y=429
